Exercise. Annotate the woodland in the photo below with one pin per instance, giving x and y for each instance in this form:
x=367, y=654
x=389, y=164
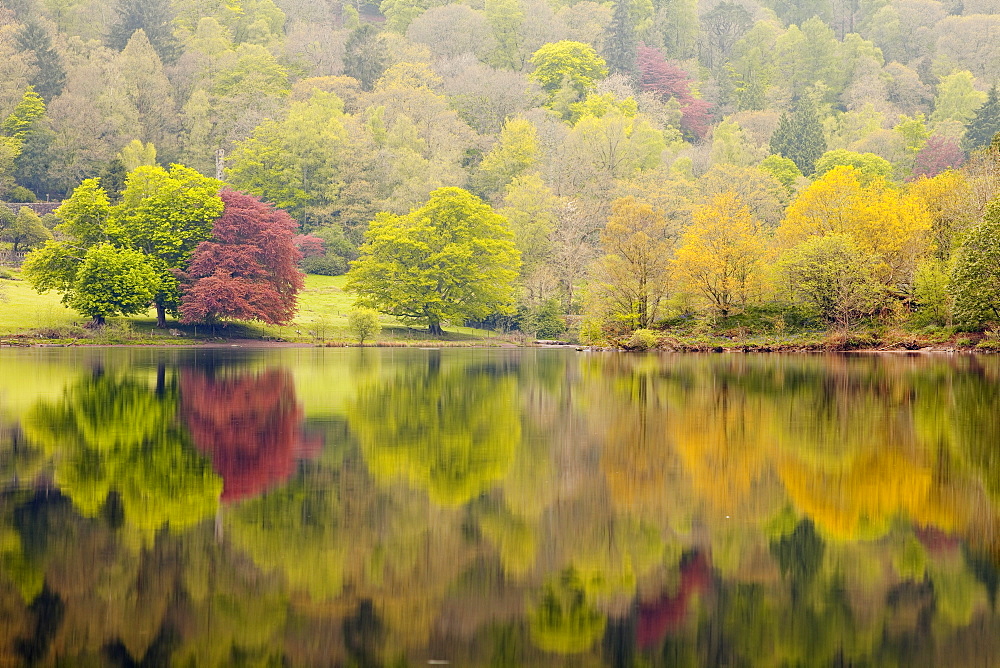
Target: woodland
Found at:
x=654, y=165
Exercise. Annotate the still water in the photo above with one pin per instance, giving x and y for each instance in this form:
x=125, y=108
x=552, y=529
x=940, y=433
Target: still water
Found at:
x=360, y=507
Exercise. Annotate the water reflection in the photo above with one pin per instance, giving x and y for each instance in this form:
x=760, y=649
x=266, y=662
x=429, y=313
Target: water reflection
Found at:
x=502, y=508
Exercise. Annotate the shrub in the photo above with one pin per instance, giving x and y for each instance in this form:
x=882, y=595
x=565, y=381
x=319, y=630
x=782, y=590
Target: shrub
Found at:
x=363, y=323
x=21, y=195
x=325, y=265
x=641, y=339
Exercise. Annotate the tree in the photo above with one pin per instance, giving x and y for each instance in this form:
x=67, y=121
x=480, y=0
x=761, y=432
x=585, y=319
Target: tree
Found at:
x=832, y=275
x=113, y=281
x=152, y=17
x=975, y=278
x=569, y=65
x=867, y=166
x=50, y=76
x=799, y=136
x=668, y=81
x=720, y=256
x=985, y=124
x=363, y=323
x=957, y=99
x=165, y=214
x=25, y=230
x=451, y=259
x=938, y=154
x=621, y=45
x=632, y=279
x=365, y=55
x=248, y=269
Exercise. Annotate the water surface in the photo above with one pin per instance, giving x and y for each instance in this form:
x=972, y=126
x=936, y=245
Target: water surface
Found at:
x=363, y=507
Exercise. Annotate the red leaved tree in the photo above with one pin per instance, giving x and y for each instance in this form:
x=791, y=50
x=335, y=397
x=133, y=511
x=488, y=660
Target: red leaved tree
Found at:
x=937, y=155
x=668, y=80
x=248, y=269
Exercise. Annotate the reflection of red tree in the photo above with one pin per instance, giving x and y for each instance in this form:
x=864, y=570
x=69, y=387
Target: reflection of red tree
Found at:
x=660, y=617
x=249, y=424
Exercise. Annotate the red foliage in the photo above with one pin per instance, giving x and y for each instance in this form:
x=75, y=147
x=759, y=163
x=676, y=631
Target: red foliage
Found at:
x=668, y=613
x=247, y=270
x=937, y=155
x=250, y=425
x=668, y=80
x=309, y=245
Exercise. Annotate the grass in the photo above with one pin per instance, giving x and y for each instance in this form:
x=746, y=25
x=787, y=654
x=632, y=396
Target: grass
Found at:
x=321, y=319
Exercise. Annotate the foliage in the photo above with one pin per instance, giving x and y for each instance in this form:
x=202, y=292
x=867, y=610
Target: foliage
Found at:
x=938, y=155
x=799, y=136
x=832, y=275
x=720, y=256
x=567, y=65
x=668, y=81
x=985, y=124
x=631, y=280
x=23, y=231
x=248, y=269
x=867, y=166
x=976, y=272
x=451, y=259
x=363, y=323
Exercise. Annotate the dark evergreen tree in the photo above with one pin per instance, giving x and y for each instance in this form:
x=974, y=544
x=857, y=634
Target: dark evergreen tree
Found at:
x=152, y=16
x=620, y=48
x=113, y=179
x=49, y=77
x=799, y=136
x=364, y=55
x=985, y=124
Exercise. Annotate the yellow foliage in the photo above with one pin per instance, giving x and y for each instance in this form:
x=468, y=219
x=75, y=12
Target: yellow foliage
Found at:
x=721, y=257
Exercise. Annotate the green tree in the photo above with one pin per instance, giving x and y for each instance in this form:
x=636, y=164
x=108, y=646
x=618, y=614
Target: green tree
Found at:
x=363, y=323
x=985, y=124
x=153, y=17
x=50, y=75
x=832, y=275
x=451, y=259
x=165, y=214
x=25, y=230
x=113, y=281
x=957, y=99
x=365, y=55
x=975, y=278
x=19, y=122
x=515, y=153
x=799, y=136
x=783, y=169
x=567, y=65
x=622, y=44
x=867, y=166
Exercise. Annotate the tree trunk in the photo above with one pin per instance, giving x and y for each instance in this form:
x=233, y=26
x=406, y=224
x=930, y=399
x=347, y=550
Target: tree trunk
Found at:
x=161, y=315
x=434, y=327
x=97, y=322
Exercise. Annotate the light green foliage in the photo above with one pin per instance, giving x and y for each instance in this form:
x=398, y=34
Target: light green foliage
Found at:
x=84, y=215
x=975, y=278
x=567, y=64
x=113, y=281
x=914, y=130
x=28, y=110
x=293, y=162
x=783, y=169
x=165, y=214
x=563, y=621
x=506, y=19
x=115, y=433
x=868, y=167
x=529, y=206
x=451, y=430
x=25, y=231
x=399, y=14
x=451, y=259
x=616, y=146
x=956, y=99
x=830, y=274
x=363, y=323
x=931, y=291
x=642, y=339
x=136, y=154
x=730, y=145
x=515, y=152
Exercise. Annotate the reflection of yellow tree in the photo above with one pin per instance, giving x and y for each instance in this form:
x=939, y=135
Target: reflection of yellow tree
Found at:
x=563, y=621
x=453, y=432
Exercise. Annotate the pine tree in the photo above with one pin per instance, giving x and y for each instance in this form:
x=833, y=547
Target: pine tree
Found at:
x=799, y=136
x=620, y=49
x=152, y=16
x=50, y=76
x=365, y=55
x=985, y=124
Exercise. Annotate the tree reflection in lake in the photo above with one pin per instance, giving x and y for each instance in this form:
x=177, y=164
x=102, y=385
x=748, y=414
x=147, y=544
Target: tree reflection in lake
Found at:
x=505, y=508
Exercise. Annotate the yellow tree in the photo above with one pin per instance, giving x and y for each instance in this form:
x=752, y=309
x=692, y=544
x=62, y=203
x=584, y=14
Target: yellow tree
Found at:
x=893, y=226
x=632, y=278
x=721, y=256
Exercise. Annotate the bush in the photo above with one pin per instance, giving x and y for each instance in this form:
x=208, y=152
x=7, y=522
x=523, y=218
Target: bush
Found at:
x=965, y=342
x=325, y=266
x=641, y=339
x=20, y=195
x=363, y=323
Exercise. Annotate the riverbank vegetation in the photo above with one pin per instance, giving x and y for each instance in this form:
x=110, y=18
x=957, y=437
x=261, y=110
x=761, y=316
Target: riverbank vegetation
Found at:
x=711, y=172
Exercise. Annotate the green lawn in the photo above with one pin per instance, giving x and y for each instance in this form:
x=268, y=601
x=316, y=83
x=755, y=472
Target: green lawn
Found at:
x=322, y=316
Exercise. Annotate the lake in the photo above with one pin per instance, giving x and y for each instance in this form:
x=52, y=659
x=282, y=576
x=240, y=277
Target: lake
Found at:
x=405, y=507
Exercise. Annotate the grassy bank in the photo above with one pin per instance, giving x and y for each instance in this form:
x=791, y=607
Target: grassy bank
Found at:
x=27, y=317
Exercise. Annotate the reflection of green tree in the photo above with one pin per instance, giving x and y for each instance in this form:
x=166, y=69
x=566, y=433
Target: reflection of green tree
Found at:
x=451, y=431
x=113, y=432
x=563, y=621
